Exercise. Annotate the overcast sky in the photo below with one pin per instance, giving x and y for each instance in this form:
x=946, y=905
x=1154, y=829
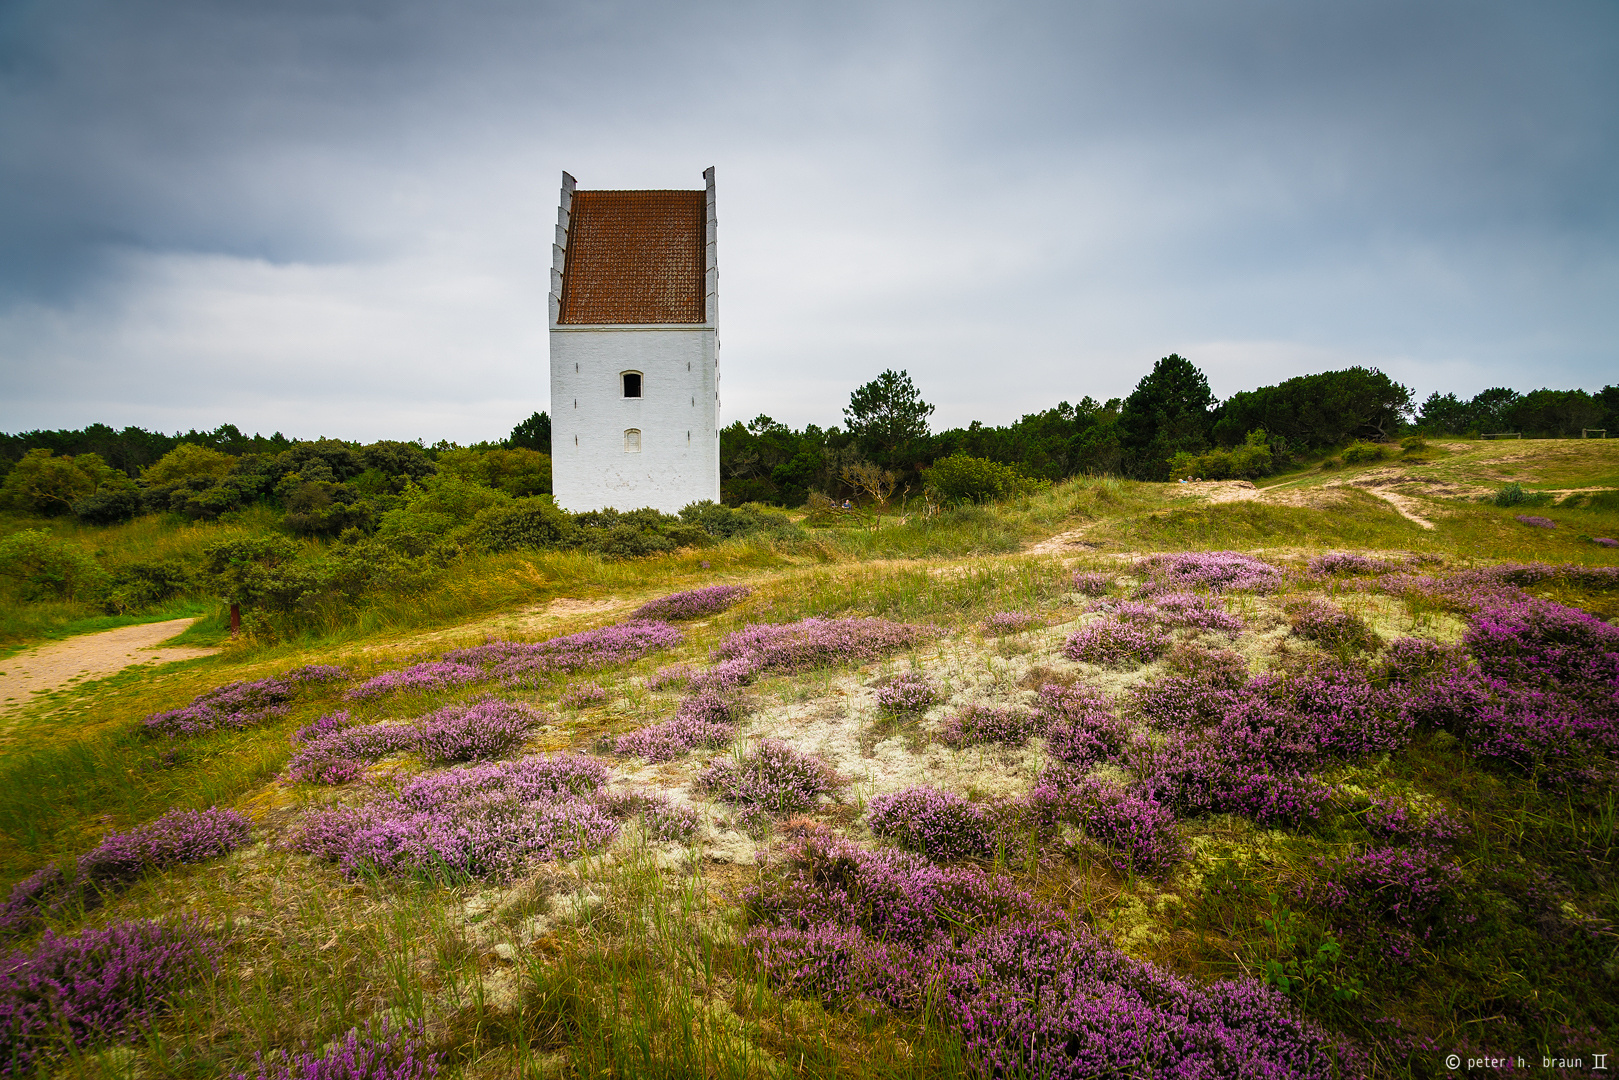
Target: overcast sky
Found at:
x=335, y=217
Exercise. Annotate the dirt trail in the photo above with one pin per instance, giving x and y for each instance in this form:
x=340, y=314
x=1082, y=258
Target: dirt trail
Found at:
x=49, y=667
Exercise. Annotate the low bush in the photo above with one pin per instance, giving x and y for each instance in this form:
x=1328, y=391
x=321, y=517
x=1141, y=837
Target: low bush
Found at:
x=1139, y=830
x=37, y=566
x=1513, y=494
x=977, y=723
x=1362, y=453
x=961, y=478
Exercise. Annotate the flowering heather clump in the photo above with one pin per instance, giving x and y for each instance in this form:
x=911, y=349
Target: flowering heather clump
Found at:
x=317, y=673
x=1605, y=541
x=703, y=719
x=234, y=705
x=1340, y=712
x=1008, y=622
x=670, y=675
x=95, y=986
x=1392, y=819
x=887, y=894
x=908, y=695
x=1079, y=724
x=1349, y=563
x=1542, y=644
x=940, y=824
x=180, y=836
x=489, y=820
x=341, y=756
x=725, y=676
x=380, y=1053
x=325, y=726
x=665, y=820
x=1220, y=571
x=1196, y=774
x=527, y=662
x=1534, y=521
x=1029, y=1000
x=484, y=729
x=1197, y=612
x=1140, y=830
x=419, y=678
x=1408, y=659
x=1115, y=644
x=1534, y=730
x=976, y=723
x=774, y=777
x=1405, y=887
x=813, y=643
x=1329, y=625
x=1089, y=583
x=1219, y=668
x=696, y=604
x=583, y=696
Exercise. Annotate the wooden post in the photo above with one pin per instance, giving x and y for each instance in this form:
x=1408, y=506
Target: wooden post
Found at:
x=235, y=619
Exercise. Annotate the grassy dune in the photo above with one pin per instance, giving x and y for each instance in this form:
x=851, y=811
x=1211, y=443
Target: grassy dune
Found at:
x=630, y=959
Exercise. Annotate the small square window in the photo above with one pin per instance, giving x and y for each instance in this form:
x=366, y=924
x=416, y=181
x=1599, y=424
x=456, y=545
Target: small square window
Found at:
x=632, y=441
x=632, y=383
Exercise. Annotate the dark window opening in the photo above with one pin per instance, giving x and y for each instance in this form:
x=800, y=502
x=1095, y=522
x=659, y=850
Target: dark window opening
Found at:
x=632, y=384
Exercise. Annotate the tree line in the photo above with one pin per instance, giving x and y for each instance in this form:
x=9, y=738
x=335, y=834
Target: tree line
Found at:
x=1170, y=425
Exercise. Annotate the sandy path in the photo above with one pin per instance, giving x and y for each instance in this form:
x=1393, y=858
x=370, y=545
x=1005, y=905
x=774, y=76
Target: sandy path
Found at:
x=49, y=667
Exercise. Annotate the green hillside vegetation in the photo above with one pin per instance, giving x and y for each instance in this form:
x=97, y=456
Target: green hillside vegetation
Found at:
x=1003, y=551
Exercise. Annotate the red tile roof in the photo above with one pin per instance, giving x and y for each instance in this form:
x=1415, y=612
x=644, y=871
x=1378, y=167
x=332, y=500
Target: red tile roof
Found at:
x=635, y=257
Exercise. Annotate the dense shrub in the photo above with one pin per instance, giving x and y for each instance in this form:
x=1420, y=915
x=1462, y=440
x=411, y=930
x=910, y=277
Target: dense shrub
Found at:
x=1361, y=453
x=37, y=566
x=1513, y=494
x=961, y=478
x=484, y=729
x=526, y=523
x=1249, y=461
x=750, y=519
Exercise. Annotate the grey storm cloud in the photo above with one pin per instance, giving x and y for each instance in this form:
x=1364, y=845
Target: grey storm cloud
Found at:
x=335, y=217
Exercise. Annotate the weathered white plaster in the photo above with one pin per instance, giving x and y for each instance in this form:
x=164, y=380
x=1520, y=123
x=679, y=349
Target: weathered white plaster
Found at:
x=677, y=413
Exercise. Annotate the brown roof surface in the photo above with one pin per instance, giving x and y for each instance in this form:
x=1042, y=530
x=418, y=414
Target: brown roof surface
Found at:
x=635, y=257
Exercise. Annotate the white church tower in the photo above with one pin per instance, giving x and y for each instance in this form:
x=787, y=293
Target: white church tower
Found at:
x=634, y=349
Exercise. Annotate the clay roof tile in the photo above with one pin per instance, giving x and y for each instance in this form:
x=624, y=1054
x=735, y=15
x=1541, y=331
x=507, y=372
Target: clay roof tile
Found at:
x=635, y=257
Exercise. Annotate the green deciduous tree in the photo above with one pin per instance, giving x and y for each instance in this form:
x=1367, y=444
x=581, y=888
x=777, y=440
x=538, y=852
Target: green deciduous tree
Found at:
x=1318, y=411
